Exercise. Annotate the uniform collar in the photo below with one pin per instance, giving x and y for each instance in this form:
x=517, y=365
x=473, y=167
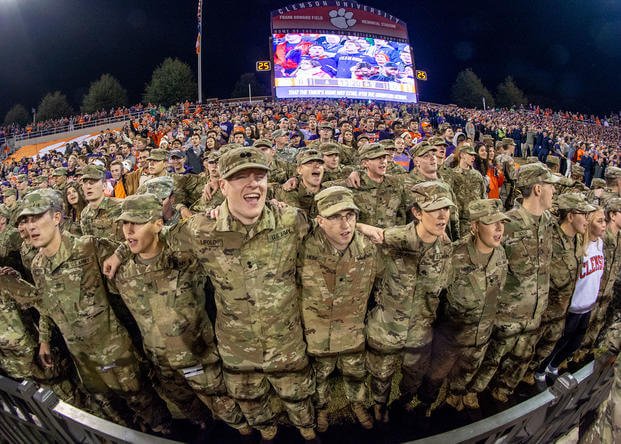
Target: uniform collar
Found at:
x=226, y=222
x=63, y=254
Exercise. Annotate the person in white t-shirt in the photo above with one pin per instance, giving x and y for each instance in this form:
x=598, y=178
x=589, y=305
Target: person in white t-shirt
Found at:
x=585, y=294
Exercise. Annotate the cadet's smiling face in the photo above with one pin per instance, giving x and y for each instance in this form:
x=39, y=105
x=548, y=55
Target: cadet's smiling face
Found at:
x=245, y=193
x=311, y=173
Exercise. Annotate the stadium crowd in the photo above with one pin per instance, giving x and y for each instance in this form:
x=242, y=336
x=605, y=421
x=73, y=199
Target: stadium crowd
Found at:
x=221, y=255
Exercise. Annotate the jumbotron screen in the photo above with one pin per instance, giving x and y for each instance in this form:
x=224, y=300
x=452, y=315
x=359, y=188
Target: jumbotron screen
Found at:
x=334, y=66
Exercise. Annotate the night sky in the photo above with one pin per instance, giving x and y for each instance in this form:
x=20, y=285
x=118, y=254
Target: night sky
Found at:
x=562, y=52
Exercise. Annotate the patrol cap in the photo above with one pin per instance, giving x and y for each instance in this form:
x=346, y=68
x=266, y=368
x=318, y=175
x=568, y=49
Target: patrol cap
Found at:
x=574, y=202
x=239, y=159
x=177, y=153
x=328, y=148
x=532, y=159
x=213, y=156
x=161, y=186
x=387, y=144
x=4, y=211
x=372, y=151
x=309, y=156
x=326, y=125
x=598, y=183
x=93, y=172
x=279, y=133
x=422, y=148
x=140, y=208
x=577, y=169
x=39, y=180
x=9, y=192
x=467, y=148
x=60, y=172
x=34, y=203
x=508, y=141
x=158, y=155
x=228, y=147
x=432, y=195
x=612, y=172
x=263, y=143
x=334, y=199
x=437, y=141
x=534, y=173
x=362, y=136
x=499, y=144
x=613, y=204
x=487, y=211
x=553, y=161
x=22, y=178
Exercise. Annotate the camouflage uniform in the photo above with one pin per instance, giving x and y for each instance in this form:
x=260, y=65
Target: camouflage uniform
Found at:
x=99, y=221
x=165, y=295
x=71, y=292
x=10, y=242
x=524, y=297
x=400, y=327
x=258, y=325
x=506, y=164
x=465, y=324
x=565, y=262
x=335, y=290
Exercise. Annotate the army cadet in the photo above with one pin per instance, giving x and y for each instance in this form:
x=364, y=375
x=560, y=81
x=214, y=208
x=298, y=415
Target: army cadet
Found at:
x=164, y=292
x=613, y=183
x=381, y=198
x=281, y=147
x=333, y=170
x=464, y=326
x=40, y=182
x=612, y=253
x=21, y=185
x=310, y=171
x=554, y=164
x=326, y=134
x=417, y=266
x=157, y=164
x=98, y=218
x=524, y=297
x=577, y=175
x=60, y=178
x=70, y=291
x=10, y=241
x=566, y=258
x=426, y=169
x=212, y=194
x=249, y=252
x=280, y=170
x=10, y=202
x=466, y=183
x=506, y=164
x=163, y=188
x=336, y=269
x=440, y=144
x=598, y=188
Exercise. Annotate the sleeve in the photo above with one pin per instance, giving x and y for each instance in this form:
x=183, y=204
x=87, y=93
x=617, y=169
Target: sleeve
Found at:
x=45, y=329
x=183, y=235
x=22, y=292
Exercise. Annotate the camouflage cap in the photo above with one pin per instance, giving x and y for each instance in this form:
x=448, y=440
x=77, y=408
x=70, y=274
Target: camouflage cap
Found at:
x=499, y=144
x=140, y=208
x=9, y=192
x=467, y=148
x=329, y=148
x=39, y=180
x=532, y=159
x=432, y=195
x=60, y=172
x=574, y=202
x=4, y=211
x=388, y=144
x=613, y=204
x=177, y=153
x=577, y=169
x=422, y=148
x=326, y=125
x=534, y=173
x=508, y=141
x=362, y=136
x=213, y=156
x=598, y=183
x=372, y=151
x=487, y=211
x=158, y=155
x=161, y=186
x=437, y=141
x=613, y=172
x=35, y=203
x=93, y=172
x=334, y=199
x=228, y=147
x=22, y=178
x=239, y=159
x=263, y=143
x=279, y=133
x=309, y=156
x=485, y=137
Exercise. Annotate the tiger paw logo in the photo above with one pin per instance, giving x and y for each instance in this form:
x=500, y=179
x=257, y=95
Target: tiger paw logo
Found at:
x=342, y=19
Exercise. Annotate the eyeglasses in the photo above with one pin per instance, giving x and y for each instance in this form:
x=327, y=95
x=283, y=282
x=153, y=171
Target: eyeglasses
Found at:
x=349, y=217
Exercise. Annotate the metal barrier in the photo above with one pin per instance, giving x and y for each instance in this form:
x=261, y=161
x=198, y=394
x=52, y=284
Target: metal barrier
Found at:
x=30, y=414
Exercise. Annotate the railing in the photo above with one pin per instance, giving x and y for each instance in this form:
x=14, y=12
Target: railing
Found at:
x=29, y=414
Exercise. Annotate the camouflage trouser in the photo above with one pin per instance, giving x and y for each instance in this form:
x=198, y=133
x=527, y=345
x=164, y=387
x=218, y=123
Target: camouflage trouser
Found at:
x=354, y=375
x=549, y=334
x=507, y=358
x=458, y=363
x=17, y=362
x=252, y=392
x=123, y=377
x=382, y=367
x=607, y=426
